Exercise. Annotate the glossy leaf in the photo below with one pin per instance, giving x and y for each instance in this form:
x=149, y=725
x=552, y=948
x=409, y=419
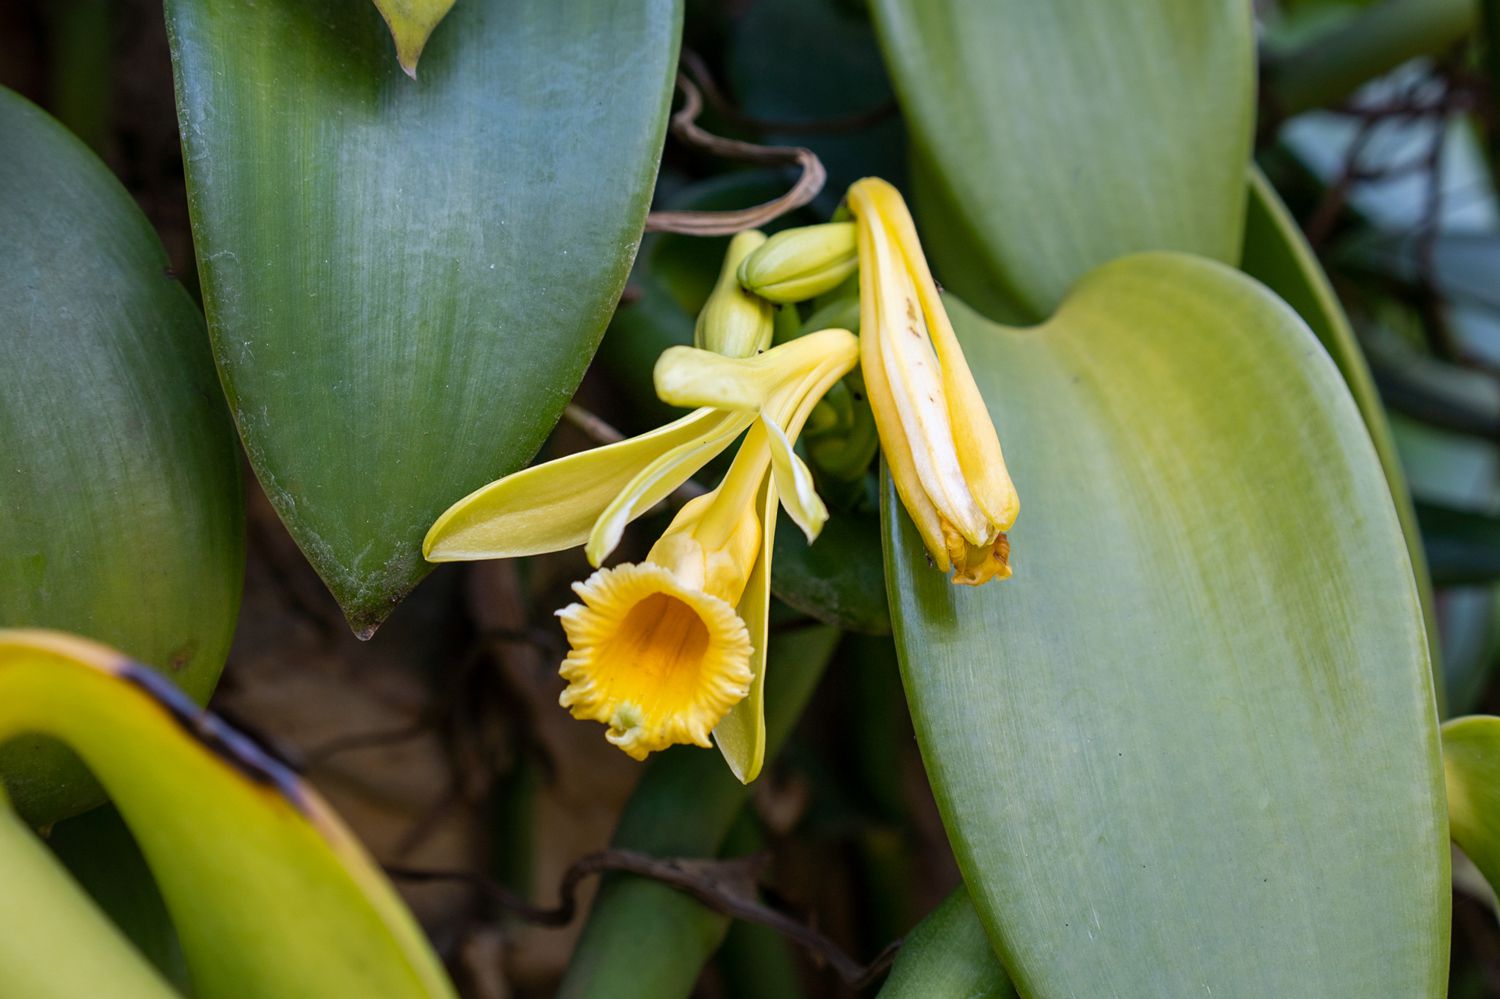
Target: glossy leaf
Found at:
x=271, y=895
x=411, y=23
x=1058, y=136
x=947, y=956
x=644, y=940
x=1471, y=763
x=405, y=280
x=1277, y=254
x=54, y=943
x=120, y=507
x=1212, y=641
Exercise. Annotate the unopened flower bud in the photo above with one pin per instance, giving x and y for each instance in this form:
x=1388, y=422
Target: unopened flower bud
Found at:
x=798, y=264
x=733, y=321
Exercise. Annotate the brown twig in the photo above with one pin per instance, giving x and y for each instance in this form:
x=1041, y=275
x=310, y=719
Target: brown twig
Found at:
x=594, y=428
x=701, y=223
x=725, y=886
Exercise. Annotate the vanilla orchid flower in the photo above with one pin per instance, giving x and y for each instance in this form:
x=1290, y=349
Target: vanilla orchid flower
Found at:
x=672, y=649
x=938, y=439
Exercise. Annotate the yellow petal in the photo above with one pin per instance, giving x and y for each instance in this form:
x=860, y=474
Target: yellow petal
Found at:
x=658, y=662
x=656, y=481
x=741, y=735
x=895, y=446
x=553, y=506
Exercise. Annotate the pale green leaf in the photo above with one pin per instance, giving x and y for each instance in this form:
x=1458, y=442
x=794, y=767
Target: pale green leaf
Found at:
x=1277, y=254
x=1191, y=745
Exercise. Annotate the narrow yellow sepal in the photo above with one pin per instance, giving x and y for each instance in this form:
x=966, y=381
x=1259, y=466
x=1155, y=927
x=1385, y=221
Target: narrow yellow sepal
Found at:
x=554, y=506
x=741, y=734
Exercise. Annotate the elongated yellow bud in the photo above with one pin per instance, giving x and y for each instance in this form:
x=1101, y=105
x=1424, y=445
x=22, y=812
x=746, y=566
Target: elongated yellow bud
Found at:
x=734, y=322
x=798, y=264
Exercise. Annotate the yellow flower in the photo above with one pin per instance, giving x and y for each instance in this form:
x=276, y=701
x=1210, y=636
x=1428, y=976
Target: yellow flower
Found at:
x=939, y=442
x=673, y=648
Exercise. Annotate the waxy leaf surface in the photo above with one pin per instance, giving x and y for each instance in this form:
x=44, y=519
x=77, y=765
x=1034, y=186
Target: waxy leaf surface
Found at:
x=1277, y=254
x=405, y=279
x=121, y=515
x=1053, y=137
x=1191, y=746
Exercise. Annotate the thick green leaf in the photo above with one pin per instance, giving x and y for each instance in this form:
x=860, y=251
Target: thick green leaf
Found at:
x=1278, y=255
x=1058, y=136
x=406, y=279
x=271, y=895
x=54, y=944
x=948, y=956
x=646, y=940
x=120, y=508
x=1471, y=763
x=1191, y=746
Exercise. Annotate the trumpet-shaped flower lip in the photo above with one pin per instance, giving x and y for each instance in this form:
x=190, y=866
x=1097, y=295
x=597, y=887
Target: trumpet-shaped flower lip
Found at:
x=657, y=661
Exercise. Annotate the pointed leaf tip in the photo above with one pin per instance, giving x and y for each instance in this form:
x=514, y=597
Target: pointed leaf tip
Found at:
x=412, y=23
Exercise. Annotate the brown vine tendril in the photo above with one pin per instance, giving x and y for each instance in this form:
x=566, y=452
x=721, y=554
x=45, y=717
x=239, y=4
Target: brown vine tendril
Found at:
x=725, y=886
x=701, y=223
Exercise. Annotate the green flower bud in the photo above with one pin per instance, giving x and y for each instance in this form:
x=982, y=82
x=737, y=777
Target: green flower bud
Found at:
x=798, y=264
x=733, y=321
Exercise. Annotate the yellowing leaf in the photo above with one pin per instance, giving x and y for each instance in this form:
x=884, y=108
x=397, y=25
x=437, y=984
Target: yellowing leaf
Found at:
x=271, y=895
